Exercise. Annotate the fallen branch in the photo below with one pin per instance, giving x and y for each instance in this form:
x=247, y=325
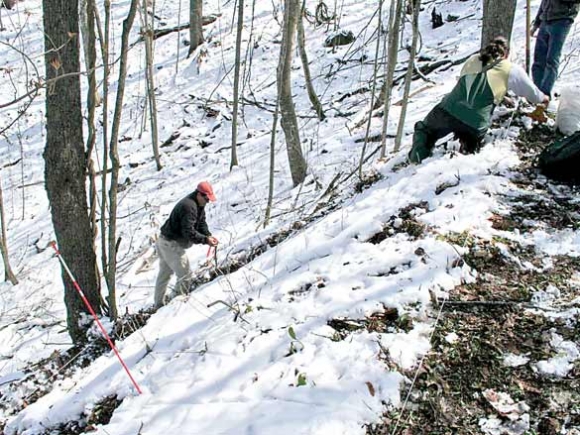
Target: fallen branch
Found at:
x=430, y=67
x=158, y=33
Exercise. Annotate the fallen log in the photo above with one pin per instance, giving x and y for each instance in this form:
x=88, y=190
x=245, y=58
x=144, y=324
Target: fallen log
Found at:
x=158, y=33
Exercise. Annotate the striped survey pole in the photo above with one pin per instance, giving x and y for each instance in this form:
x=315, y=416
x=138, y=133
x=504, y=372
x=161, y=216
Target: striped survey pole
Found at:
x=90, y=308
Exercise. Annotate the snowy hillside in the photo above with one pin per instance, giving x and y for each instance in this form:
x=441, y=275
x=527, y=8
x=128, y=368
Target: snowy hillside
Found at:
x=325, y=327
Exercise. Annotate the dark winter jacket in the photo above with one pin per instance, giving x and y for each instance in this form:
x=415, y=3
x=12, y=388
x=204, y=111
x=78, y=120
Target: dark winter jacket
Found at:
x=551, y=10
x=186, y=223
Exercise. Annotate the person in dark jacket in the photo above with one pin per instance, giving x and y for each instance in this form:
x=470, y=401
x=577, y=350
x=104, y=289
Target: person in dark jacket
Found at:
x=185, y=227
x=466, y=111
x=553, y=20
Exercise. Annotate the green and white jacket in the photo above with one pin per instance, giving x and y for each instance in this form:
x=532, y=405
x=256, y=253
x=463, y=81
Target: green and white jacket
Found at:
x=479, y=89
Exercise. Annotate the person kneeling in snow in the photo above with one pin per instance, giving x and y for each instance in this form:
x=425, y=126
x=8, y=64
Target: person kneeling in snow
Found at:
x=185, y=226
x=466, y=110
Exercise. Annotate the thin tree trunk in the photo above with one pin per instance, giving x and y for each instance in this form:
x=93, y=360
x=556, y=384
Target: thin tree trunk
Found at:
x=288, y=119
x=8, y=274
x=195, y=25
x=178, y=38
x=89, y=38
x=272, y=164
x=528, y=35
x=393, y=55
x=374, y=88
x=304, y=58
x=151, y=83
x=106, y=73
x=65, y=160
x=248, y=60
x=234, y=158
x=84, y=24
x=114, y=156
x=87, y=26
x=409, y=77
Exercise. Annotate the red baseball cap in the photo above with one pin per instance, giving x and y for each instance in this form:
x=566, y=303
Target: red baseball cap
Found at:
x=205, y=188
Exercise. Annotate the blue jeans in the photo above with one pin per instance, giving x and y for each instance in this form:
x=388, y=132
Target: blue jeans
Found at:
x=549, y=43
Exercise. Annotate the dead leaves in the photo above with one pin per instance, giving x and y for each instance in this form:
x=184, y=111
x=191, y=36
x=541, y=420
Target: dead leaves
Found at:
x=539, y=114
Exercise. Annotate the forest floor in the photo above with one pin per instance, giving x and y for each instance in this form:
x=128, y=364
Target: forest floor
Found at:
x=484, y=372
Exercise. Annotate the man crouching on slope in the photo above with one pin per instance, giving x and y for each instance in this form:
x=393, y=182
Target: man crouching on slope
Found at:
x=185, y=226
x=466, y=110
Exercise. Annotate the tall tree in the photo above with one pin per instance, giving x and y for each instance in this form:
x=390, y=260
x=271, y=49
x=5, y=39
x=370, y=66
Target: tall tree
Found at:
x=147, y=31
x=195, y=25
x=104, y=37
x=65, y=158
x=393, y=33
x=87, y=17
x=288, y=119
x=373, y=90
x=416, y=5
x=498, y=19
x=112, y=241
x=234, y=158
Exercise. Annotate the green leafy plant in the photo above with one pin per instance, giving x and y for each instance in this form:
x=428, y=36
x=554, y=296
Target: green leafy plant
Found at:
x=301, y=380
x=295, y=345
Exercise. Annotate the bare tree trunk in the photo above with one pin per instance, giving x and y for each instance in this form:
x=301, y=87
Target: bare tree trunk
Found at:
x=178, y=38
x=304, y=58
x=150, y=77
x=106, y=73
x=248, y=60
x=84, y=24
x=288, y=119
x=498, y=19
x=65, y=159
x=528, y=35
x=87, y=26
x=89, y=39
x=114, y=156
x=409, y=76
x=195, y=25
x=92, y=101
x=234, y=158
x=395, y=15
x=8, y=274
x=272, y=164
x=374, y=88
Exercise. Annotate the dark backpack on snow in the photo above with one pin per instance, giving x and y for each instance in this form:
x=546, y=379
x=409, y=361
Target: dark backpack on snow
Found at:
x=561, y=159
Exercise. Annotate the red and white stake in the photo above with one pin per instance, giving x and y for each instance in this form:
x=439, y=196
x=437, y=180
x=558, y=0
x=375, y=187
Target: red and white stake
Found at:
x=90, y=308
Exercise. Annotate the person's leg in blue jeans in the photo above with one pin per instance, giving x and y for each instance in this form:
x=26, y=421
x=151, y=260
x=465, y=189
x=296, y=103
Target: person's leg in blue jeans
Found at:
x=540, y=52
x=549, y=44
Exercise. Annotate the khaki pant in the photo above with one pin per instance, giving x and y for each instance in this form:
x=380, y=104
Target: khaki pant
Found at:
x=172, y=259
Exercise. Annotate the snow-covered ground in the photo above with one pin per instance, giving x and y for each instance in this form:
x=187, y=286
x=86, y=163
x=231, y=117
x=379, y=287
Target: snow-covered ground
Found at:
x=278, y=369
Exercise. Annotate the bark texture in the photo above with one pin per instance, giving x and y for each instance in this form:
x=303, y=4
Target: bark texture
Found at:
x=498, y=19
x=65, y=159
x=288, y=119
x=195, y=25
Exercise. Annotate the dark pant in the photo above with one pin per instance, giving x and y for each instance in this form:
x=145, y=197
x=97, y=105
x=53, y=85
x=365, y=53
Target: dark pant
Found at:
x=549, y=43
x=437, y=124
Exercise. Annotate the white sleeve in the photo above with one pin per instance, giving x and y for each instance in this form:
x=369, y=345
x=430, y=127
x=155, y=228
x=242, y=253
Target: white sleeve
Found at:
x=520, y=84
